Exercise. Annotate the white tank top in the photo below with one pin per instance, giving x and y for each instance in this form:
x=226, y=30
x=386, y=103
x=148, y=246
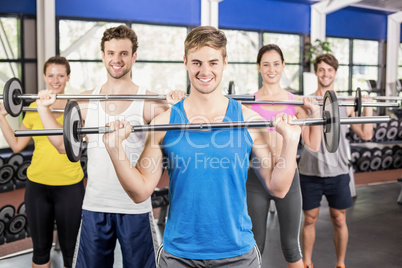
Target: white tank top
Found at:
x=104, y=192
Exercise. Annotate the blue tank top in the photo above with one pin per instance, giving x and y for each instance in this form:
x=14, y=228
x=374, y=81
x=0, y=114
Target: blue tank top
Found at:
x=208, y=216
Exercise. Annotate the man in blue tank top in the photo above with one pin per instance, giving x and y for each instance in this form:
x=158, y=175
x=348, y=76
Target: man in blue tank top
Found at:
x=208, y=224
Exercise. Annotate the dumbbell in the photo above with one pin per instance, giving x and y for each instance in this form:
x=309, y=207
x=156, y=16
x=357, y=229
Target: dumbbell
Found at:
x=15, y=160
x=6, y=178
x=375, y=162
x=392, y=129
x=21, y=175
x=15, y=224
x=380, y=132
x=363, y=164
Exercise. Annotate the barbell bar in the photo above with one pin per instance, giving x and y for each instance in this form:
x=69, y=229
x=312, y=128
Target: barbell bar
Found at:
x=13, y=96
x=73, y=132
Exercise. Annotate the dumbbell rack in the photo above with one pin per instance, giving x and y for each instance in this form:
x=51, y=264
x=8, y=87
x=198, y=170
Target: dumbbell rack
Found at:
x=383, y=152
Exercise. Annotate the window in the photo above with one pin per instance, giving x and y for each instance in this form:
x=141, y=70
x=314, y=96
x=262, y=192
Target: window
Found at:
x=355, y=66
x=159, y=66
x=242, y=49
x=10, y=61
x=364, y=67
x=290, y=46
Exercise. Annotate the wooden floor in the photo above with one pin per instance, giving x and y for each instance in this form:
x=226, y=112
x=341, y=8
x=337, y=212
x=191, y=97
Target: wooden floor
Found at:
x=375, y=229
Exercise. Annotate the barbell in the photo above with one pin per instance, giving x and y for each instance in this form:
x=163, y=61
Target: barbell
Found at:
x=13, y=96
x=73, y=132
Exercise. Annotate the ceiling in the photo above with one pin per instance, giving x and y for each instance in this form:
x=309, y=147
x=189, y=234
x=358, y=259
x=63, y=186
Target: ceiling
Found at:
x=387, y=5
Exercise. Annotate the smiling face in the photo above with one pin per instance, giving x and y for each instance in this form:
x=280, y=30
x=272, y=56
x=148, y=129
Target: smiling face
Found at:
x=56, y=77
x=205, y=68
x=325, y=75
x=271, y=67
x=118, y=57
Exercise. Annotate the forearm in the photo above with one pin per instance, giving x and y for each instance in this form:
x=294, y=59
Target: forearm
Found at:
x=283, y=171
x=49, y=122
x=131, y=179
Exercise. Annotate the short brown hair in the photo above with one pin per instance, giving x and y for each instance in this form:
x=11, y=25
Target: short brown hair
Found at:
x=120, y=32
x=59, y=60
x=205, y=36
x=328, y=59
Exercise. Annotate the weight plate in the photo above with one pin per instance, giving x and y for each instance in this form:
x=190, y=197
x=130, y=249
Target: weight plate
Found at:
x=363, y=164
x=386, y=161
x=21, y=209
x=365, y=152
x=72, y=121
x=2, y=227
x=6, y=213
x=376, y=151
x=387, y=150
x=392, y=132
x=22, y=171
x=6, y=174
x=380, y=133
x=17, y=224
x=1, y=161
x=393, y=122
x=332, y=127
x=375, y=163
x=358, y=102
x=15, y=160
x=13, y=104
x=397, y=161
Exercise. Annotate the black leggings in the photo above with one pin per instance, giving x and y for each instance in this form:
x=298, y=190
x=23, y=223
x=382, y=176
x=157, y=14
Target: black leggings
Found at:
x=44, y=204
x=289, y=211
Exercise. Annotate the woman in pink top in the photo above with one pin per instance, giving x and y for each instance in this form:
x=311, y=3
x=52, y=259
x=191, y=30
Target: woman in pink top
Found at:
x=270, y=64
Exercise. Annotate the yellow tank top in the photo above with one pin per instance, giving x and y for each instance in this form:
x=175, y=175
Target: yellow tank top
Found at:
x=48, y=166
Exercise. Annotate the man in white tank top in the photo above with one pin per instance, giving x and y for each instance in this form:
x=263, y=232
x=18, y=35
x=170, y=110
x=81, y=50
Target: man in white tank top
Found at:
x=108, y=213
x=324, y=173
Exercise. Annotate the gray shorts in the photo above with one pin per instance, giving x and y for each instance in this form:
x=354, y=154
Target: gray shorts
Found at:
x=251, y=259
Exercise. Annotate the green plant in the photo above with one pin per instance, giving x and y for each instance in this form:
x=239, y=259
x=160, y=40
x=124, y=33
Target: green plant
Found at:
x=313, y=50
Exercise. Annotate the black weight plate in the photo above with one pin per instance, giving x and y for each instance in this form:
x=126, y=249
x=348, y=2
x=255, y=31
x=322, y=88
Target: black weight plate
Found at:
x=84, y=160
x=387, y=150
x=332, y=127
x=15, y=160
x=365, y=152
x=397, y=162
x=358, y=102
x=17, y=224
x=375, y=163
x=21, y=209
x=354, y=155
x=72, y=121
x=392, y=132
x=386, y=162
x=7, y=212
x=393, y=122
x=6, y=174
x=2, y=227
x=231, y=89
x=12, y=103
x=1, y=161
x=363, y=164
x=376, y=151
x=22, y=171
x=380, y=133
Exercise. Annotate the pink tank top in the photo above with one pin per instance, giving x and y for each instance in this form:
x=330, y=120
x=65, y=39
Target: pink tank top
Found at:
x=270, y=115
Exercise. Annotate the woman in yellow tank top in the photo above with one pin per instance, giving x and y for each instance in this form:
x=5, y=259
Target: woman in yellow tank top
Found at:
x=55, y=188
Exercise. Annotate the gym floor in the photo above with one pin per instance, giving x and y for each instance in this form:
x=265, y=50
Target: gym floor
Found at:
x=375, y=234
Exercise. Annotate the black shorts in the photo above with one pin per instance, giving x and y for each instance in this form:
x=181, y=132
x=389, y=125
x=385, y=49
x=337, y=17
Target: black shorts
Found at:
x=336, y=190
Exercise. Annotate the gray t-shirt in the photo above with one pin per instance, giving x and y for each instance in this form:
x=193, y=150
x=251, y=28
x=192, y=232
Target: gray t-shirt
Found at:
x=323, y=163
